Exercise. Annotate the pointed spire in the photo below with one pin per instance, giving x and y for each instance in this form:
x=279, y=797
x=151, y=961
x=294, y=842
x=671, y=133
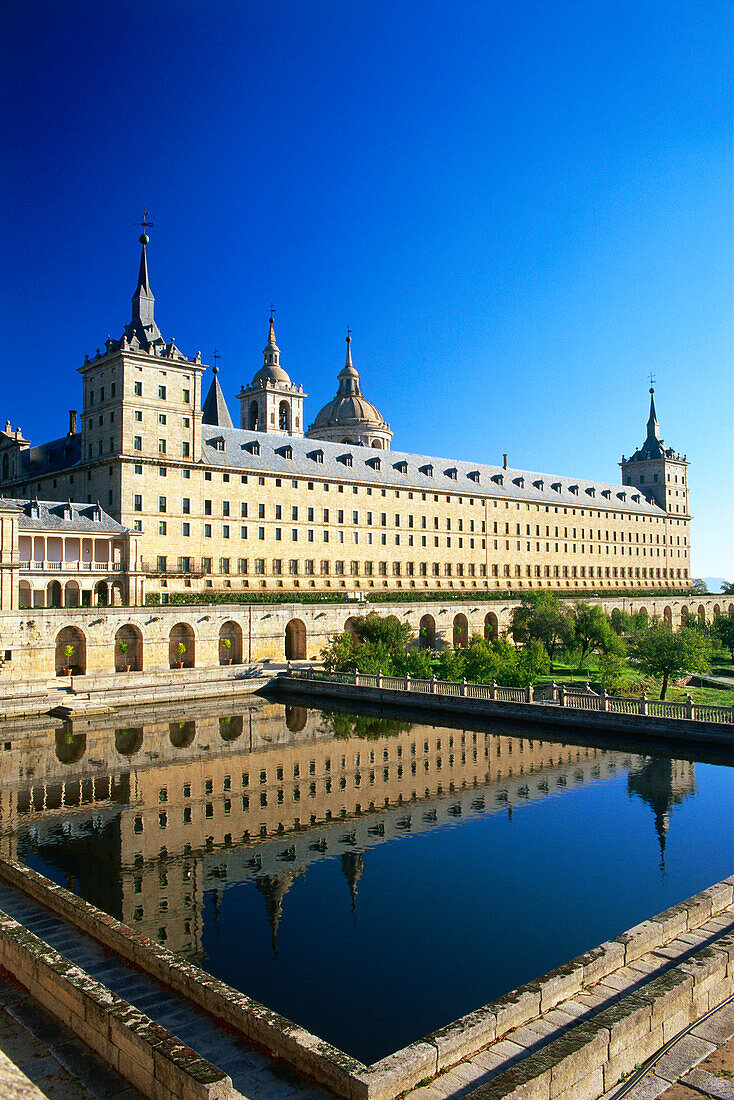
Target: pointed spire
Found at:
x=349, y=376
x=271, y=334
x=653, y=428
x=214, y=410
x=143, y=321
x=348, y=362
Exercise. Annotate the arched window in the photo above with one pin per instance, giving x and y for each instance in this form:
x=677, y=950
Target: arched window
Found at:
x=284, y=416
x=128, y=649
x=230, y=644
x=182, y=647
x=71, y=652
x=253, y=418
x=461, y=631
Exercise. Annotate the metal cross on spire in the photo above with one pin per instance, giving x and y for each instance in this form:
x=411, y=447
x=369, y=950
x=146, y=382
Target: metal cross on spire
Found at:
x=144, y=223
x=651, y=379
x=349, y=331
x=216, y=357
x=272, y=309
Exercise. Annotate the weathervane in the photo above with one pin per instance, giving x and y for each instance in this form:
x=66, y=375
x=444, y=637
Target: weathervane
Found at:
x=217, y=357
x=349, y=332
x=143, y=223
x=272, y=310
x=651, y=379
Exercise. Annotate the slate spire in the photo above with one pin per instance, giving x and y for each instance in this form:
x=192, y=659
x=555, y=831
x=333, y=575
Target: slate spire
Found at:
x=215, y=409
x=653, y=428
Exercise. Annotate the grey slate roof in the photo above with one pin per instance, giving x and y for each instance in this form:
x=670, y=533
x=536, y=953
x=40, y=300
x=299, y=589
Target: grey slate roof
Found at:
x=58, y=454
x=214, y=410
x=48, y=515
x=232, y=447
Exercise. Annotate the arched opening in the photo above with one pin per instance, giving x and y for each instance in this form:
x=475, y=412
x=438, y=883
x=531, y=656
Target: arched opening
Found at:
x=377, y=444
x=427, y=632
x=284, y=416
x=461, y=631
x=71, y=652
x=349, y=629
x=230, y=727
x=72, y=594
x=101, y=594
x=295, y=718
x=684, y=613
x=702, y=614
x=181, y=734
x=230, y=643
x=53, y=594
x=295, y=640
x=252, y=419
x=128, y=649
x=491, y=626
x=668, y=617
x=70, y=747
x=25, y=596
x=717, y=611
x=129, y=740
x=181, y=647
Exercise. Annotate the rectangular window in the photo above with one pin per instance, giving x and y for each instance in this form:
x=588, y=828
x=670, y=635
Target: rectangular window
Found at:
x=207, y=530
x=186, y=397
x=186, y=506
x=137, y=443
x=161, y=446
x=162, y=393
x=138, y=415
x=207, y=507
x=185, y=449
x=225, y=530
x=186, y=530
x=225, y=507
x=162, y=527
x=137, y=503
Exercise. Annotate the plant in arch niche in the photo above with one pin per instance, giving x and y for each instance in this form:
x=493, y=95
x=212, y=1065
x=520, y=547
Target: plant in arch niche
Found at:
x=181, y=650
x=226, y=646
x=69, y=651
x=123, y=648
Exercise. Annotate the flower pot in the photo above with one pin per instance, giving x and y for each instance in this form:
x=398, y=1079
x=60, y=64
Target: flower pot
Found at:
x=228, y=660
x=179, y=664
x=126, y=668
x=66, y=672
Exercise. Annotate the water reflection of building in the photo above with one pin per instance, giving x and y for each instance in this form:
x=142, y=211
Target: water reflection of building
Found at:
x=661, y=783
x=147, y=818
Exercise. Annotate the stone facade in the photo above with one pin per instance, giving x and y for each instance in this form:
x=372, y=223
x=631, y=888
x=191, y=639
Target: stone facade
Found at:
x=262, y=507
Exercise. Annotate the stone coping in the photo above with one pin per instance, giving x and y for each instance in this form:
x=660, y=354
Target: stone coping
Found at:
x=140, y=1050
x=419, y=1061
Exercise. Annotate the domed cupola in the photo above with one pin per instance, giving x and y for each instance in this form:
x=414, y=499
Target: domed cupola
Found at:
x=272, y=403
x=350, y=417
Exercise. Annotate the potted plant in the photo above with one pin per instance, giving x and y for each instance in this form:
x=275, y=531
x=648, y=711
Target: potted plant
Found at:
x=181, y=650
x=123, y=647
x=226, y=646
x=69, y=651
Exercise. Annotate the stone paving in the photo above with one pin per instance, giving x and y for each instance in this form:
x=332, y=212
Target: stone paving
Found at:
x=253, y=1075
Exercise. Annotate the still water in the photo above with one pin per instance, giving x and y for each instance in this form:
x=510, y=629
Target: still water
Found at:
x=372, y=879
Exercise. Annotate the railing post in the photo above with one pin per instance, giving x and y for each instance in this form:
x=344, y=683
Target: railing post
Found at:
x=587, y=688
x=554, y=690
x=690, y=709
x=433, y=683
x=643, y=703
x=493, y=690
x=561, y=696
x=529, y=694
x=356, y=679
x=407, y=681
x=463, y=686
x=603, y=697
x=379, y=677
x=309, y=672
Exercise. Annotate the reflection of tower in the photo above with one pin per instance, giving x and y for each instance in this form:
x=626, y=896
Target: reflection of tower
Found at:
x=274, y=888
x=662, y=783
x=353, y=868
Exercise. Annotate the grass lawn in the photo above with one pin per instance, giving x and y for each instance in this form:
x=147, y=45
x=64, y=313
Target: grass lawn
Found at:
x=635, y=683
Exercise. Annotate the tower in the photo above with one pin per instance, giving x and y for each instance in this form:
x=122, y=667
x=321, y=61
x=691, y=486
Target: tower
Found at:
x=272, y=403
x=350, y=417
x=658, y=471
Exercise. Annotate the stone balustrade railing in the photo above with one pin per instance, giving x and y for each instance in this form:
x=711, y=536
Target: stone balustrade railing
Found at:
x=73, y=566
x=553, y=694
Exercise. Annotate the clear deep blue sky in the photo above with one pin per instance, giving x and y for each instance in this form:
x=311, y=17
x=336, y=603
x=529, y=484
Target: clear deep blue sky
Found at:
x=520, y=207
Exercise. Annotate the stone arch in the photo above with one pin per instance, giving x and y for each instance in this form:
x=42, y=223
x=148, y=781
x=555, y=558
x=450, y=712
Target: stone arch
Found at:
x=54, y=594
x=427, y=632
x=684, y=614
x=181, y=635
x=230, y=727
x=461, y=631
x=284, y=416
x=349, y=629
x=230, y=632
x=181, y=734
x=295, y=640
x=253, y=416
x=129, y=740
x=731, y=608
x=72, y=594
x=717, y=611
x=25, y=595
x=702, y=614
x=377, y=444
x=668, y=616
x=295, y=718
x=132, y=657
x=491, y=627
x=70, y=747
x=77, y=659
x=101, y=594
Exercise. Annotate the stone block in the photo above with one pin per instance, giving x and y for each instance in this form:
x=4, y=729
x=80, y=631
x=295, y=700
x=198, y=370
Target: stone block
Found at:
x=630, y=1056
x=397, y=1073
x=674, y=921
x=600, y=961
x=561, y=983
x=626, y=1021
x=516, y=1008
x=574, y=1053
x=721, y=895
x=640, y=939
x=589, y=1087
x=463, y=1037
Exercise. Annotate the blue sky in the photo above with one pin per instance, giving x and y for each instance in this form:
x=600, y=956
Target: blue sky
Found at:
x=522, y=208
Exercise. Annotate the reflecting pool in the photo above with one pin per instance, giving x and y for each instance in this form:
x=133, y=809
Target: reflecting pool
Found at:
x=372, y=879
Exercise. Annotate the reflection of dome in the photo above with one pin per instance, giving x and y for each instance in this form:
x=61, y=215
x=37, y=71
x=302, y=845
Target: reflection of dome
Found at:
x=662, y=783
x=274, y=887
x=350, y=417
x=353, y=868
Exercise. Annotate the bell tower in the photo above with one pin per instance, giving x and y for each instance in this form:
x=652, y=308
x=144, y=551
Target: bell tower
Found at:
x=657, y=470
x=272, y=403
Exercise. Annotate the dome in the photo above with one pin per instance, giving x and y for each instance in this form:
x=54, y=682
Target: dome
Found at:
x=349, y=410
x=271, y=373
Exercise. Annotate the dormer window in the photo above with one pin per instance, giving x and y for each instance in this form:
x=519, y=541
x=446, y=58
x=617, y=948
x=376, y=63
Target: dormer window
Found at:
x=591, y=491
x=286, y=452
x=474, y=475
x=622, y=496
x=427, y=470
x=636, y=498
x=540, y=484
x=66, y=512
x=346, y=459
x=574, y=489
x=218, y=443
x=556, y=486
x=401, y=467
x=519, y=481
x=316, y=456
x=607, y=493
x=253, y=447
x=375, y=463
x=97, y=513
x=498, y=479
x=452, y=472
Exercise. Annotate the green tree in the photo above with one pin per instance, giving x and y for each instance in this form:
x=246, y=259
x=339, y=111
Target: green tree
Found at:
x=659, y=651
x=386, y=630
x=727, y=587
x=592, y=630
x=610, y=671
x=339, y=655
x=723, y=631
x=699, y=586
x=542, y=617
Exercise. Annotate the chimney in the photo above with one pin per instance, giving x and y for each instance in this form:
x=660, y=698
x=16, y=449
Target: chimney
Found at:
x=72, y=422
x=504, y=462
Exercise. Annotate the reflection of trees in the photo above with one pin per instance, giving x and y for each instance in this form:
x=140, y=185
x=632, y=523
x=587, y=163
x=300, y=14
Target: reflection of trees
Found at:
x=662, y=783
x=70, y=747
x=342, y=726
